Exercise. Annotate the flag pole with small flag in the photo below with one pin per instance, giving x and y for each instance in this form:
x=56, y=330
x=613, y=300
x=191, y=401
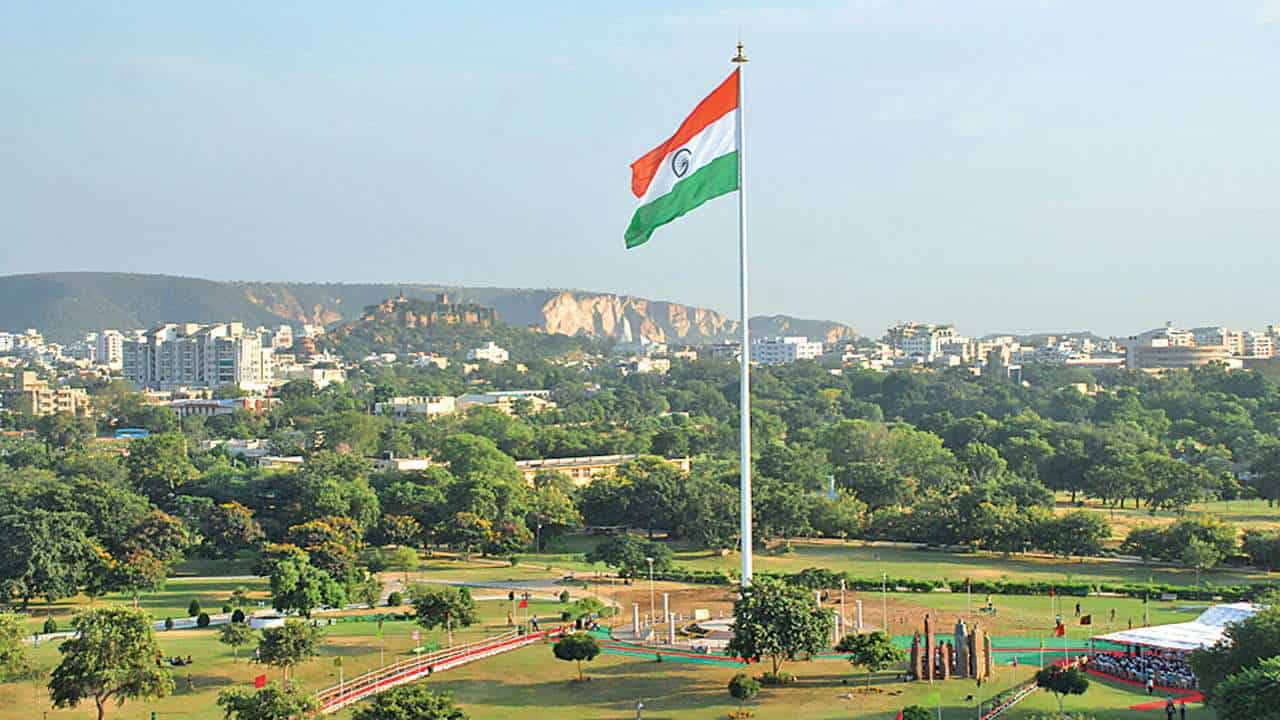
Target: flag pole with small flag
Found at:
x=703, y=160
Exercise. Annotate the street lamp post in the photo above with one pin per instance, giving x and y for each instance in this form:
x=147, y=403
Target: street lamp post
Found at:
x=653, y=606
x=884, y=599
x=537, y=543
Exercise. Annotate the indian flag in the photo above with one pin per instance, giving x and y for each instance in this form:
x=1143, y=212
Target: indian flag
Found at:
x=699, y=162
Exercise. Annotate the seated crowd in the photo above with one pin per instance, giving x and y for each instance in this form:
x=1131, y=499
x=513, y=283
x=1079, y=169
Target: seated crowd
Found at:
x=1165, y=670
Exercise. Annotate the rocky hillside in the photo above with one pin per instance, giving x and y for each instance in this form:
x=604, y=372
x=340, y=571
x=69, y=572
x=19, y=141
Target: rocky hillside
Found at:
x=66, y=305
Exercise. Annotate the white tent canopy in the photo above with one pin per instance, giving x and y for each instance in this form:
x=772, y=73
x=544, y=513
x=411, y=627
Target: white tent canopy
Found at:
x=1204, y=631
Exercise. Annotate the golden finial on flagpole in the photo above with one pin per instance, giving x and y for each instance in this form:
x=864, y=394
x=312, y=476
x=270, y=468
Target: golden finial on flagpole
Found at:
x=739, y=58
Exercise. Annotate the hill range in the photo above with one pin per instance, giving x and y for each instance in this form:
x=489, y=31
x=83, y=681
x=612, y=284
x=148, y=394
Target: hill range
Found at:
x=65, y=305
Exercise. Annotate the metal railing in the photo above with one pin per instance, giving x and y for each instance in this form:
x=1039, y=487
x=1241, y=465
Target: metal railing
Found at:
x=378, y=680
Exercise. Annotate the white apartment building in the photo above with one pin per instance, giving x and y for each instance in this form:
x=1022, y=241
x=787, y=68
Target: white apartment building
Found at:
x=109, y=349
x=417, y=406
x=186, y=355
x=1258, y=345
x=490, y=352
x=783, y=350
x=7, y=342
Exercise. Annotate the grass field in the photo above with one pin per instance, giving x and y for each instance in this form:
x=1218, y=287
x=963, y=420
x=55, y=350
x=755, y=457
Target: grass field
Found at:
x=531, y=683
x=870, y=559
x=1241, y=513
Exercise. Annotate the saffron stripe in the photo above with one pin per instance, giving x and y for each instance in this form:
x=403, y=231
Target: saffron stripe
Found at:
x=722, y=100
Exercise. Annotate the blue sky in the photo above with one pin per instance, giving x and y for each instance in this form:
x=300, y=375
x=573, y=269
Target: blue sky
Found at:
x=1004, y=165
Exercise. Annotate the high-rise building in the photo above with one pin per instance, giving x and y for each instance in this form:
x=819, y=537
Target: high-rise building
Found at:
x=178, y=355
x=109, y=349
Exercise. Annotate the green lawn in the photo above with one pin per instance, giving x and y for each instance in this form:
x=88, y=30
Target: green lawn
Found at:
x=870, y=559
x=531, y=683
x=1244, y=514
x=524, y=683
x=171, y=602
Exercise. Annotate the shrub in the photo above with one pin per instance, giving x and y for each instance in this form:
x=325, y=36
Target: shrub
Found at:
x=50, y=625
x=226, y=608
x=743, y=687
x=564, y=596
x=514, y=560
x=202, y=620
x=168, y=623
x=395, y=599
x=565, y=616
x=237, y=616
x=193, y=609
x=778, y=678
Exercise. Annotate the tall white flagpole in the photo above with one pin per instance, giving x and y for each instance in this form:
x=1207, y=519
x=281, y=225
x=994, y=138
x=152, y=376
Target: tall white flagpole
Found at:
x=744, y=421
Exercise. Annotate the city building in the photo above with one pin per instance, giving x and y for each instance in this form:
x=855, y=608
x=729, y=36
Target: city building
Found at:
x=417, y=406
x=507, y=401
x=489, y=352
x=582, y=470
x=783, y=350
x=728, y=351
x=33, y=396
x=182, y=355
x=1258, y=345
x=1169, y=348
x=109, y=349
x=204, y=407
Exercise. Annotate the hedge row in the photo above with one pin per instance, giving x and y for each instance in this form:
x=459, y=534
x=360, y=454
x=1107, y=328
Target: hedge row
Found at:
x=819, y=578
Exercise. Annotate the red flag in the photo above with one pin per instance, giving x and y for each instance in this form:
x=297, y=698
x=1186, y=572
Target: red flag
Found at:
x=1050, y=591
x=899, y=716
x=524, y=603
x=260, y=682
x=1060, y=630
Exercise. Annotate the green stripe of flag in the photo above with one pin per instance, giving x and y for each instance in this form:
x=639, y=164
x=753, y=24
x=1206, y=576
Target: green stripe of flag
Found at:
x=716, y=178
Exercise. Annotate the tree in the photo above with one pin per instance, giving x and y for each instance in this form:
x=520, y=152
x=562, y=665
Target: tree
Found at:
x=743, y=687
x=112, y=656
x=1200, y=555
x=627, y=554
x=916, y=712
x=236, y=635
x=551, y=506
x=404, y=559
x=14, y=662
x=289, y=645
x=577, y=647
x=1251, y=694
x=44, y=554
x=298, y=585
x=777, y=621
x=653, y=488
x=445, y=607
x=1062, y=682
x=65, y=431
x=272, y=702
x=410, y=702
x=873, y=651
x=230, y=529
x=158, y=465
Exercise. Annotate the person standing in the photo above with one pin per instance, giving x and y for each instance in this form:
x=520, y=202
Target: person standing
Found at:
x=1168, y=708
